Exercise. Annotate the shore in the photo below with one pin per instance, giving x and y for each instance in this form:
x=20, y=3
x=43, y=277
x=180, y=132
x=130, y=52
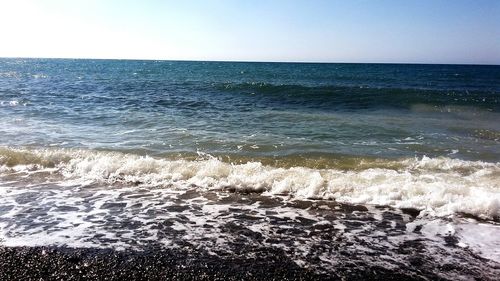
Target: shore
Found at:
x=53, y=263
x=194, y=235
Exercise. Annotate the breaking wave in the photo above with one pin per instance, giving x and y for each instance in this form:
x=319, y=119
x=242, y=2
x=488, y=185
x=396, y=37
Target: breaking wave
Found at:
x=438, y=186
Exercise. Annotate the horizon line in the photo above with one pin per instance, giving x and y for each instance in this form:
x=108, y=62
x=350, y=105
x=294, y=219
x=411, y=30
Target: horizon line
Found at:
x=246, y=61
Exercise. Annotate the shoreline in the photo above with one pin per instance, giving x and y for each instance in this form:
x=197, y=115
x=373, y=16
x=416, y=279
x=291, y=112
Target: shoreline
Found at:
x=194, y=235
x=62, y=263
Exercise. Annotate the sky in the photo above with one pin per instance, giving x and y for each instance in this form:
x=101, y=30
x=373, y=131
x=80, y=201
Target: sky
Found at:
x=399, y=31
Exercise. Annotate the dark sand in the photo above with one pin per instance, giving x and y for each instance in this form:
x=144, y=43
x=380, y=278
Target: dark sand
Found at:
x=50, y=263
x=226, y=237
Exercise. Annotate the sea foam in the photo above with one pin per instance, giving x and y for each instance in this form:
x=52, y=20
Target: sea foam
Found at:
x=437, y=186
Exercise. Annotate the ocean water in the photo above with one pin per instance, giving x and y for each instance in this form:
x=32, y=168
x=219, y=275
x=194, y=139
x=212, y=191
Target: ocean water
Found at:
x=96, y=152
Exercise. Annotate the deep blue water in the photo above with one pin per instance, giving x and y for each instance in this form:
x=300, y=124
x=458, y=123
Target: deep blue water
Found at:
x=252, y=110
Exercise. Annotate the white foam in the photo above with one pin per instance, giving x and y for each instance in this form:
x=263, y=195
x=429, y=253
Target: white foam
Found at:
x=481, y=237
x=9, y=103
x=438, y=186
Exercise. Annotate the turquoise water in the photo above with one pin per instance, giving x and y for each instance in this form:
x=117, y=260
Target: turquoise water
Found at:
x=252, y=109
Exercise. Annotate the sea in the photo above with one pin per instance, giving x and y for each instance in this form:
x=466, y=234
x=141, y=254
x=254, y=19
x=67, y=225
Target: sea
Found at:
x=334, y=165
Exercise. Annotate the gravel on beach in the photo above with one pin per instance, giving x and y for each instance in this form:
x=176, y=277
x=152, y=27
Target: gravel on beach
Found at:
x=55, y=263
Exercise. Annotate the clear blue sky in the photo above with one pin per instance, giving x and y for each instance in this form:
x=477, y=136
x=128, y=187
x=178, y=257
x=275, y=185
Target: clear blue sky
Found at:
x=422, y=31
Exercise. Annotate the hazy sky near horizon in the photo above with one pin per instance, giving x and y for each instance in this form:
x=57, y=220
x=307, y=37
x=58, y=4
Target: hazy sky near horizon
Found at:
x=420, y=31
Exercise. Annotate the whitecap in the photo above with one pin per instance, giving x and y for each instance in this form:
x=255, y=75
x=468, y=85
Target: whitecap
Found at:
x=437, y=186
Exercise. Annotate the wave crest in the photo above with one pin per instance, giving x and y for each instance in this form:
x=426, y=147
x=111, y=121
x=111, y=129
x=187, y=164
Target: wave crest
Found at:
x=439, y=186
